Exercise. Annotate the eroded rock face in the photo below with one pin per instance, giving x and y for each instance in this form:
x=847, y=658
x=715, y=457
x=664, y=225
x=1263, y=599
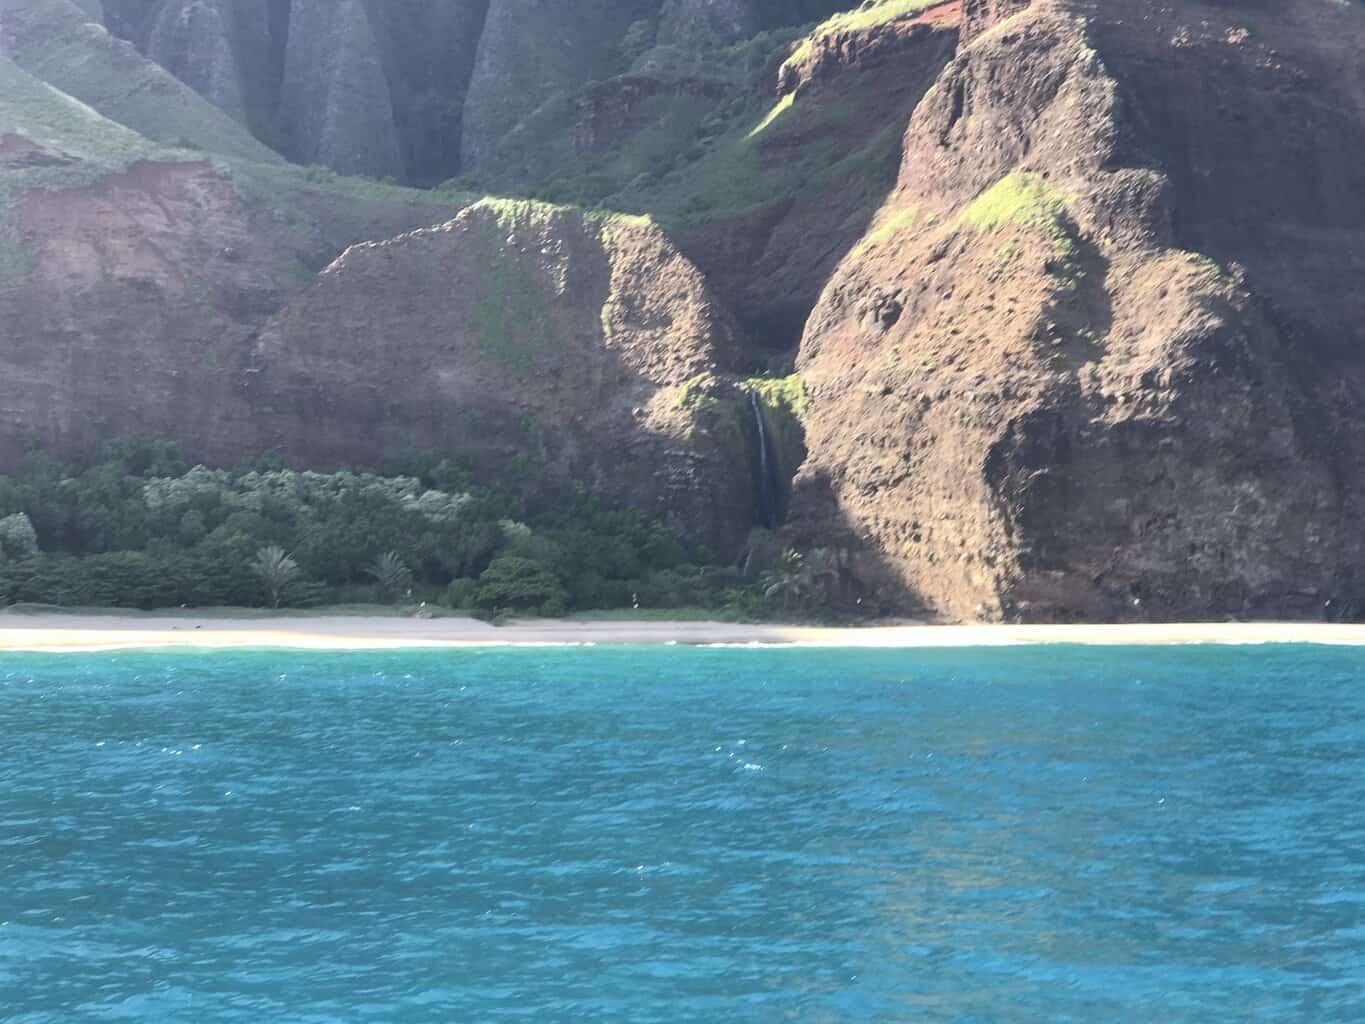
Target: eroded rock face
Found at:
x=419, y=89
x=335, y=107
x=195, y=41
x=140, y=291
x=534, y=50
x=548, y=347
x=516, y=335
x=429, y=49
x=1031, y=400
x=704, y=22
x=771, y=262
x=981, y=15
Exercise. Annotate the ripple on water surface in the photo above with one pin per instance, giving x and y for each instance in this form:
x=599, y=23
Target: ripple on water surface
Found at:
x=684, y=835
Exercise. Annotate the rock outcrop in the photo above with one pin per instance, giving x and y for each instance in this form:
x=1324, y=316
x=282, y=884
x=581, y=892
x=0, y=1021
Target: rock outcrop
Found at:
x=194, y=40
x=530, y=340
x=772, y=259
x=1031, y=399
x=335, y=105
x=981, y=15
x=534, y=50
x=706, y=22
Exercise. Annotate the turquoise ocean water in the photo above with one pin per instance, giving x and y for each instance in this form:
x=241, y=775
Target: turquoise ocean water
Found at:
x=1059, y=834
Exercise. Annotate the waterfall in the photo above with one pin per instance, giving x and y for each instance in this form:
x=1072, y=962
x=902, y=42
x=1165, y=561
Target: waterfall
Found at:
x=767, y=493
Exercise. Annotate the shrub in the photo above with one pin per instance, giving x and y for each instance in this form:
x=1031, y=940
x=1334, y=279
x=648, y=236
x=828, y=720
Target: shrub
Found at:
x=519, y=584
x=18, y=538
x=460, y=594
x=165, y=534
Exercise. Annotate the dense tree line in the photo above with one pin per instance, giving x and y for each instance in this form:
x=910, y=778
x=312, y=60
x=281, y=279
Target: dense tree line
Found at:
x=140, y=528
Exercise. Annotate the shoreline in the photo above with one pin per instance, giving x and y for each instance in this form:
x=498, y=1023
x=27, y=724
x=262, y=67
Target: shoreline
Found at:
x=93, y=633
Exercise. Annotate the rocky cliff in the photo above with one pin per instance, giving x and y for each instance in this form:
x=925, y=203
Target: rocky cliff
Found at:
x=547, y=346
x=1068, y=287
x=418, y=90
x=1068, y=373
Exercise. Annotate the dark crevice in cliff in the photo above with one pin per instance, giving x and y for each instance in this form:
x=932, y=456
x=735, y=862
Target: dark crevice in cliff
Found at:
x=279, y=15
x=457, y=140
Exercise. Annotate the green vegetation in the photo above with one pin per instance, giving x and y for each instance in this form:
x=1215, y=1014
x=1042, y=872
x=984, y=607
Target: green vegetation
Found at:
x=277, y=571
x=802, y=581
x=733, y=171
x=704, y=151
x=509, y=311
x=392, y=574
x=779, y=108
x=888, y=228
x=512, y=584
x=699, y=393
x=18, y=538
x=787, y=394
x=57, y=44
x=1022, y=200
x=141, y=529
x=871, y=14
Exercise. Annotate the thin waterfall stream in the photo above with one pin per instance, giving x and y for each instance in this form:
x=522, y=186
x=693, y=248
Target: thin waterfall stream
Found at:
x=767, y=493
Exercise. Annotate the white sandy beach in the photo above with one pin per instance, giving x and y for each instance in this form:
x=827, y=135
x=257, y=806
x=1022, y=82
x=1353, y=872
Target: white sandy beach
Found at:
x=57, y=632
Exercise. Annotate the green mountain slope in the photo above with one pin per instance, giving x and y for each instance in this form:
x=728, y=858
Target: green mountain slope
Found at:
x=57, y=42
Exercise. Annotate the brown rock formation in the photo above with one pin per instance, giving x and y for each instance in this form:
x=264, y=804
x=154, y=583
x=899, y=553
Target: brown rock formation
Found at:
x=516, y=335
x=981, y=15
x=771, y=262
x=1030, y=400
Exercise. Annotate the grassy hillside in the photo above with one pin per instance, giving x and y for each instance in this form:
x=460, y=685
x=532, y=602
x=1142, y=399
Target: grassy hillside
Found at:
x=57, y=42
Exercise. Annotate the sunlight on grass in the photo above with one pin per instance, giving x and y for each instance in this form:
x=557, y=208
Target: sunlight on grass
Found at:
x=865, y=17
x=1023, y=200
x=782, y=106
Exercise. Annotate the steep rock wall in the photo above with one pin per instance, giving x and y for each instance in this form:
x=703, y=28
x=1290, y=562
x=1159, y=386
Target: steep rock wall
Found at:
x=845, y=98
x=194, y=40
x=335, y=106
x=706, y=22
x=525, y=338
x=1029, y=399
x=534, y=50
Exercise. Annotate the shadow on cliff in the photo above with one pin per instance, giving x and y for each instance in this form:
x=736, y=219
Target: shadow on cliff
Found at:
x=869, y=585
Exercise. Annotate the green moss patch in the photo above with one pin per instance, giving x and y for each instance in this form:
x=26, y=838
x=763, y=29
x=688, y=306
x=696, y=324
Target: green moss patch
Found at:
x=1027, y=201
x=868, y=16
x=783, y=393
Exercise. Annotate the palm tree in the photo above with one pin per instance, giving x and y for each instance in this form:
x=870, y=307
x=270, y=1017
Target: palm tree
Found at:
x=802, y=579
x=391, y=573
x=787, y=579
x=274, y=566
